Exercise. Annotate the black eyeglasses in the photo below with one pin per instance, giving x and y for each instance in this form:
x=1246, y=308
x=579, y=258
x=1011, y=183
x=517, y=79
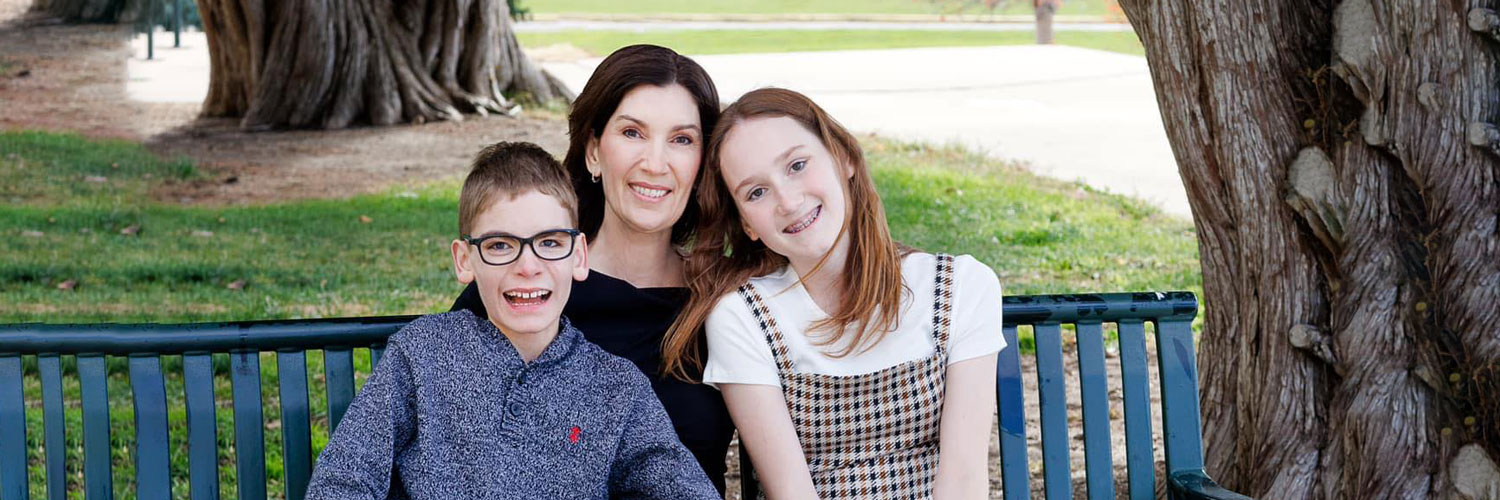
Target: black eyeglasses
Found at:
x=502, y=249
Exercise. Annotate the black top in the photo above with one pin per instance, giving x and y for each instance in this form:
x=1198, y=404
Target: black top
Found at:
x=630, y=322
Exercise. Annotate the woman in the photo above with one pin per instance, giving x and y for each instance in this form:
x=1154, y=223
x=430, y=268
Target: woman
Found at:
x=636, y=137
x=853, y=367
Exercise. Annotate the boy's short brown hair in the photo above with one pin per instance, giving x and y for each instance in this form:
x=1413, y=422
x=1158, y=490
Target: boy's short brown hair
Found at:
x=511, y=169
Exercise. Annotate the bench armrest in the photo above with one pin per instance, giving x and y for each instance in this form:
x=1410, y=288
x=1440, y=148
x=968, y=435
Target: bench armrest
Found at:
x=1196, y=485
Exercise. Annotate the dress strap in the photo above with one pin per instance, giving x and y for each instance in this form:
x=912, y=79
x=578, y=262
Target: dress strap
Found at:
x=942, y=302
x=768, y=326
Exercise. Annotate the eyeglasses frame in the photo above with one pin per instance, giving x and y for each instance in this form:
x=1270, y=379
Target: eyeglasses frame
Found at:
x=524, y=243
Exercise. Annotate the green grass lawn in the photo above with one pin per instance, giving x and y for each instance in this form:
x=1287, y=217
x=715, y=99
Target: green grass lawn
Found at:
x=1069, y=7
x=65, y=200
x=601, y=43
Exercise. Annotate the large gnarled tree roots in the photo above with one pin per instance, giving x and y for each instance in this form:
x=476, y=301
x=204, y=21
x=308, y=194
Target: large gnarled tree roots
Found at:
x=332, y=63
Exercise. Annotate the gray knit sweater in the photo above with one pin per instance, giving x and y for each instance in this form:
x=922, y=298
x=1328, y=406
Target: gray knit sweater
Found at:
x=451, y=411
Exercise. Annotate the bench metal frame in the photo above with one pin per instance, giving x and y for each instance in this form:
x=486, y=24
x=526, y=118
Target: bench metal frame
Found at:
x=144, y=344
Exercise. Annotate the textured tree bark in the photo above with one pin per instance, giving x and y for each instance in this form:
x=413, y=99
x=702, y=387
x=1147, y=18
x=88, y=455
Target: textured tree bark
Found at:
x=334, y=63
x=1045, y=11
x=1345, y=184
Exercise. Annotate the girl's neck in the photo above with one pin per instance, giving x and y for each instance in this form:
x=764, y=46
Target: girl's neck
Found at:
x=645, y=260
x=825, y=285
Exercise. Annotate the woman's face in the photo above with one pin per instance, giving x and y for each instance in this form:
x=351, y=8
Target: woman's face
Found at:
x=647, y=157
x=788, y=188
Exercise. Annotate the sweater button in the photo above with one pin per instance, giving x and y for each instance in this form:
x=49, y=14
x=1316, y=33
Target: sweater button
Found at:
x=515, y=410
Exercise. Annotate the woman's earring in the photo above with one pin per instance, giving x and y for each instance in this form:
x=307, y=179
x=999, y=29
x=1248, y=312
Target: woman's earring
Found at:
x=596, y=178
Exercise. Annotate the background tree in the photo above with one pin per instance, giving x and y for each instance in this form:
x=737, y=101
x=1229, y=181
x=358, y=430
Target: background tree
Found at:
x=92, y=11
x=1341, y=162
x=331, y=64
x=1045, y=11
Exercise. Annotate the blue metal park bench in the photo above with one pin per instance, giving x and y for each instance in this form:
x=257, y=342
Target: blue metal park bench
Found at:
x=144, y=345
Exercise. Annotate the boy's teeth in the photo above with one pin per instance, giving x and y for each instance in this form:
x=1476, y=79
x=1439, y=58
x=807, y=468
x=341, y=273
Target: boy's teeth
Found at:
x=653, y=193
x=526, y=295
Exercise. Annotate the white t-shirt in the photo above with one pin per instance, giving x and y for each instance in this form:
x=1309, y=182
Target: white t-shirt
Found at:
x=738, y=352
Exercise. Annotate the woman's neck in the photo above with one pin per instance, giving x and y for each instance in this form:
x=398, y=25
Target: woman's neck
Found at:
x=645, y=260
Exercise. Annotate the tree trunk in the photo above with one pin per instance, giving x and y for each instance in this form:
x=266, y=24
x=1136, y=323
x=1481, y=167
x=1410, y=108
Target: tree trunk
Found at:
x=1045, y=11
x=335, y=63
x=1344, y=181
x=91, y=11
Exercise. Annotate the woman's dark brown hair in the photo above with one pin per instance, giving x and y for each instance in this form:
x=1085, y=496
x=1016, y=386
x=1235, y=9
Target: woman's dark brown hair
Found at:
x=617, y=75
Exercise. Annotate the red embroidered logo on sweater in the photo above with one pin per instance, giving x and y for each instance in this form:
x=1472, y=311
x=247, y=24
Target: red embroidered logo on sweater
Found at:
x=573, y=436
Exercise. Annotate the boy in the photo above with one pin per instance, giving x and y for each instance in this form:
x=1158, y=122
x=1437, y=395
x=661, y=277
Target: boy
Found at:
x=516, y=405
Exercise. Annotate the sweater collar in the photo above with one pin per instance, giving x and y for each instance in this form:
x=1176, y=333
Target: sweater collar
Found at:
x=561, y=346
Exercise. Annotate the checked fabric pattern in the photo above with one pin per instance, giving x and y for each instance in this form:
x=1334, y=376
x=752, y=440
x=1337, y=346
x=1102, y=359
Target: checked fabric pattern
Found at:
x=873, y=435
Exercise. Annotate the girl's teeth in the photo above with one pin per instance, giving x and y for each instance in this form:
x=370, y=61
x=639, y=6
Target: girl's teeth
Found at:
x=802, y=224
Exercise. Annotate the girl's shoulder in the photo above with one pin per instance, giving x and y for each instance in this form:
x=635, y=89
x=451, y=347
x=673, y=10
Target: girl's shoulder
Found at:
x=970, y=276
x=925, y=262
x=782, y=276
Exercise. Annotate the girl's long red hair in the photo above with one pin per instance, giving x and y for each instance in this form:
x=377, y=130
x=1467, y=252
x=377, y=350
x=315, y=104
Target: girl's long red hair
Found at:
x=723, y=257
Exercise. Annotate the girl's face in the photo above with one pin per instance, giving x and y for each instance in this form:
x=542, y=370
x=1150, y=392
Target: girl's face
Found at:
x=789, y=189
x=647, y=157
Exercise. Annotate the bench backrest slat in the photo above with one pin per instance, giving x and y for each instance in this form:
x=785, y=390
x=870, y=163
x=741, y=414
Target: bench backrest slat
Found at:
x=1093, y=388
x=49, y=367
x=203, y=432
x=375, y=353
x=1135, y=383
x=1175, y=355
x=1053, y=396
x=1010, y=397
x=152, y=465
x=249, y=440
x=338, y=374
x=93, y=383
x=12, y=429
x=296, y=433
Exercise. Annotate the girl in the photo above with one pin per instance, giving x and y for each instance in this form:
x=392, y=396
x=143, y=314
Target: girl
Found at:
x=852, y=366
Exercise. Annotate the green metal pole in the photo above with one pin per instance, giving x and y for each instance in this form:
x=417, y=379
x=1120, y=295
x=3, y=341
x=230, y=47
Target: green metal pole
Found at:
x=177, y=23
x=150, y=18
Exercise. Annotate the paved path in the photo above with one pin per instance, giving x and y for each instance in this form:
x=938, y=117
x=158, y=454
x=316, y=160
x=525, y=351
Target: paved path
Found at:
x=644, y=26
x=1070, y=113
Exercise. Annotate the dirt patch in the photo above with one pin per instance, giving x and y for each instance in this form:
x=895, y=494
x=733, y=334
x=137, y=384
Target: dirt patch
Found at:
x=62, y=77
x=270, y=166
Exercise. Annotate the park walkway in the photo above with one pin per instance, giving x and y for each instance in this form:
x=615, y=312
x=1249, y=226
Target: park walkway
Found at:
x=552, y=26
x=1070, y=113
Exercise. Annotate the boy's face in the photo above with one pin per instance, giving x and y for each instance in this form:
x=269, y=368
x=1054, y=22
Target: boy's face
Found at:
x=525, y=296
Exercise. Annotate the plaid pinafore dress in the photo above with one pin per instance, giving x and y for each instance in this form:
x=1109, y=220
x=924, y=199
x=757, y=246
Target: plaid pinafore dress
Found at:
x=873, y=435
